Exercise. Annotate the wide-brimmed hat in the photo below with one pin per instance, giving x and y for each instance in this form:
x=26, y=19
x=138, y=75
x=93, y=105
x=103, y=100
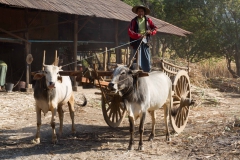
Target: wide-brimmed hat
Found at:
x=147, y=10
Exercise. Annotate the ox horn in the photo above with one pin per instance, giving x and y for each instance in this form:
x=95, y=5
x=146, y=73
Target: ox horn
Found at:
x=44, y=52
x=55, y=63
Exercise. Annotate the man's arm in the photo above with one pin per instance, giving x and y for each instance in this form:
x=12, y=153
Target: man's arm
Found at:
x=131, y=32
x=152, y=26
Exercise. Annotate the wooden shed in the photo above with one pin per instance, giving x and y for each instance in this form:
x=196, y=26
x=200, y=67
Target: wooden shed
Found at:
x=73, y=28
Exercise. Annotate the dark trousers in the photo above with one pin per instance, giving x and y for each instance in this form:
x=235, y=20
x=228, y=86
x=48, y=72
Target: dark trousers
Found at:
x=144, y=55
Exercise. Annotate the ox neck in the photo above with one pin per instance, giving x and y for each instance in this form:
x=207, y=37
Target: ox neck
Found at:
x=127, y=92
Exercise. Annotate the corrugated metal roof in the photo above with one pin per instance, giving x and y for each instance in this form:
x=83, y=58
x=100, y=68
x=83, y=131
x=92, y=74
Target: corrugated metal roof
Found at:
x=111, y=9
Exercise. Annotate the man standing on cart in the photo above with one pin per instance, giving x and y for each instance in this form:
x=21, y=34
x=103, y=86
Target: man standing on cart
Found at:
x=140, y=29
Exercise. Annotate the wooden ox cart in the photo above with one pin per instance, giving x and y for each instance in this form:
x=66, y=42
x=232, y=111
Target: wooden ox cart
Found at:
x=113, y=108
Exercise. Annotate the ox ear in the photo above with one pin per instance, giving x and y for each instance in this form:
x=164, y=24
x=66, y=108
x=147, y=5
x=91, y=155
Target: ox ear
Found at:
x=60, y=79
x=134, y=72
x=38, y=76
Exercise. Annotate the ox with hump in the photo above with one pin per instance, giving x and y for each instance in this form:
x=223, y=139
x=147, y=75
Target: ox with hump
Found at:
x=51, y=92
x=141, y=95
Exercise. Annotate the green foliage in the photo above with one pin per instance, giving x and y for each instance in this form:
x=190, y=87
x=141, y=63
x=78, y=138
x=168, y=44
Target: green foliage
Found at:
x=132, y=2
x=215, y=27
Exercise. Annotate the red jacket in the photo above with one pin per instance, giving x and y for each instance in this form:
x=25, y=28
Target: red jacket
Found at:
x=133, y=28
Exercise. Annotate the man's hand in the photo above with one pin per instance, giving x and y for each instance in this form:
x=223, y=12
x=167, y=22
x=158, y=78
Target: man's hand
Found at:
x=148, y=32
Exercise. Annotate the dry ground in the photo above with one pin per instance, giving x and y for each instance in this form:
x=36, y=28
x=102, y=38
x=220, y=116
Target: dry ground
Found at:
x=212, y=131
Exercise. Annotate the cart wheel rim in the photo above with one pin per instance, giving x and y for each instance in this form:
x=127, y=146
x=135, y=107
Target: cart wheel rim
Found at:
x=113, y=110
x=180, y=107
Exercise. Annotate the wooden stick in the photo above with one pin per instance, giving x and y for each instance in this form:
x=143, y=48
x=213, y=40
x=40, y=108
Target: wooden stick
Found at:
x=137, y=59
x=128, y=55
x=44, y=52
x=105, y=56
x=56, y=59
x=124, y=57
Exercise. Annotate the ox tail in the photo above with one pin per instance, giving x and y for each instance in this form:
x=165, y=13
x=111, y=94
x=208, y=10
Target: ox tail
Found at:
x=84, y=102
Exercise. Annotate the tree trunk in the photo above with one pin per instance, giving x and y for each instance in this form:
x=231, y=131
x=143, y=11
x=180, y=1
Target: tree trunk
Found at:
x=157, y=45
x=229, y=60
x=237, y=60
x=164, y=48
x=154, y=46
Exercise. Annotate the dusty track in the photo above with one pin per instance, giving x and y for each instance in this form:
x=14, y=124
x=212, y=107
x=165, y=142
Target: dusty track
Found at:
x=212, y=131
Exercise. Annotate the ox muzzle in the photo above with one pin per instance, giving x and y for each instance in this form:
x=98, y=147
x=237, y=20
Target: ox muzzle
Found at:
x=51, y=85
x=112, y=87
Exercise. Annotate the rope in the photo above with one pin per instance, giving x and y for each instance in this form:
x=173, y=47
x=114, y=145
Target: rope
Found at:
x=115, y=48
x=131, y=62
x=101, y=52
x=18, y=80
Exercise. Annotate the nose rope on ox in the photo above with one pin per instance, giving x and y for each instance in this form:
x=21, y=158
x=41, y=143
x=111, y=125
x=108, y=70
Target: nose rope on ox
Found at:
x=113, y=49
x=50, y=83
x=129, y=89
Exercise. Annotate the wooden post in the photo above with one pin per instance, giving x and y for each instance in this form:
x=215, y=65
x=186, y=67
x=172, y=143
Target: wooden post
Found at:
x=75, y=35
x=124, y=57
x=44, y=53
x=109, y=57
x=128, y=55
x=105, y=56
x=27, y=51
x=137, y=59
x=28, y=67
x=118, y=55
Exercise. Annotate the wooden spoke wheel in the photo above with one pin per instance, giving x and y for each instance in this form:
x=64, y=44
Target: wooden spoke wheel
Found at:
x=113, y=110
x=181, y=100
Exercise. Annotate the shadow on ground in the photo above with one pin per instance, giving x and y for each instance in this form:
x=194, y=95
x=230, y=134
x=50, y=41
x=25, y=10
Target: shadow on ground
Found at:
x=16, y=143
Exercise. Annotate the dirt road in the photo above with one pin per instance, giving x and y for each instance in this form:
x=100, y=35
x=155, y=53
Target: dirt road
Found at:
x=212, y=131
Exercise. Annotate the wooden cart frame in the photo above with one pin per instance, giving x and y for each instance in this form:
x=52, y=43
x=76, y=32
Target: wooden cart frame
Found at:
x=113, y=108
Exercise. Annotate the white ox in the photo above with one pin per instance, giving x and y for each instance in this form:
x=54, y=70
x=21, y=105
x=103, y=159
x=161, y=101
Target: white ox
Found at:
x=141, y=95
x=51, y=92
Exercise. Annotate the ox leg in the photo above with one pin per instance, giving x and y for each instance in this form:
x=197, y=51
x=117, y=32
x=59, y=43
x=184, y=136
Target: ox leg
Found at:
x=54, y=136
x=132, y=129
x=71, y=110
x=153, y=116
x=166, y=117
x=39, y=122
x=61, y=115
x=141, y=130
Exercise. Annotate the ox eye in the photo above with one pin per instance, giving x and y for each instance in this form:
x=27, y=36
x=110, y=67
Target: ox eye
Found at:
x=123, y=73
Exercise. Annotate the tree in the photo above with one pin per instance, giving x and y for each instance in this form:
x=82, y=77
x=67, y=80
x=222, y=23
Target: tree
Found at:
x=215, y=25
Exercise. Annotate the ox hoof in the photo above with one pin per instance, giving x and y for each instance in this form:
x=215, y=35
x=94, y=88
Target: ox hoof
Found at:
x=36, y=141
x=168, y=139
x=140, y=148
x=74, y=134
x=54, y=141
x=59, y=134
x=151, y=137
x=130, y=147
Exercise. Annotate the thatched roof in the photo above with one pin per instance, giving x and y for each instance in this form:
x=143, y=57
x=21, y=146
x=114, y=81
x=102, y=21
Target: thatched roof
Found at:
x=111, y=9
